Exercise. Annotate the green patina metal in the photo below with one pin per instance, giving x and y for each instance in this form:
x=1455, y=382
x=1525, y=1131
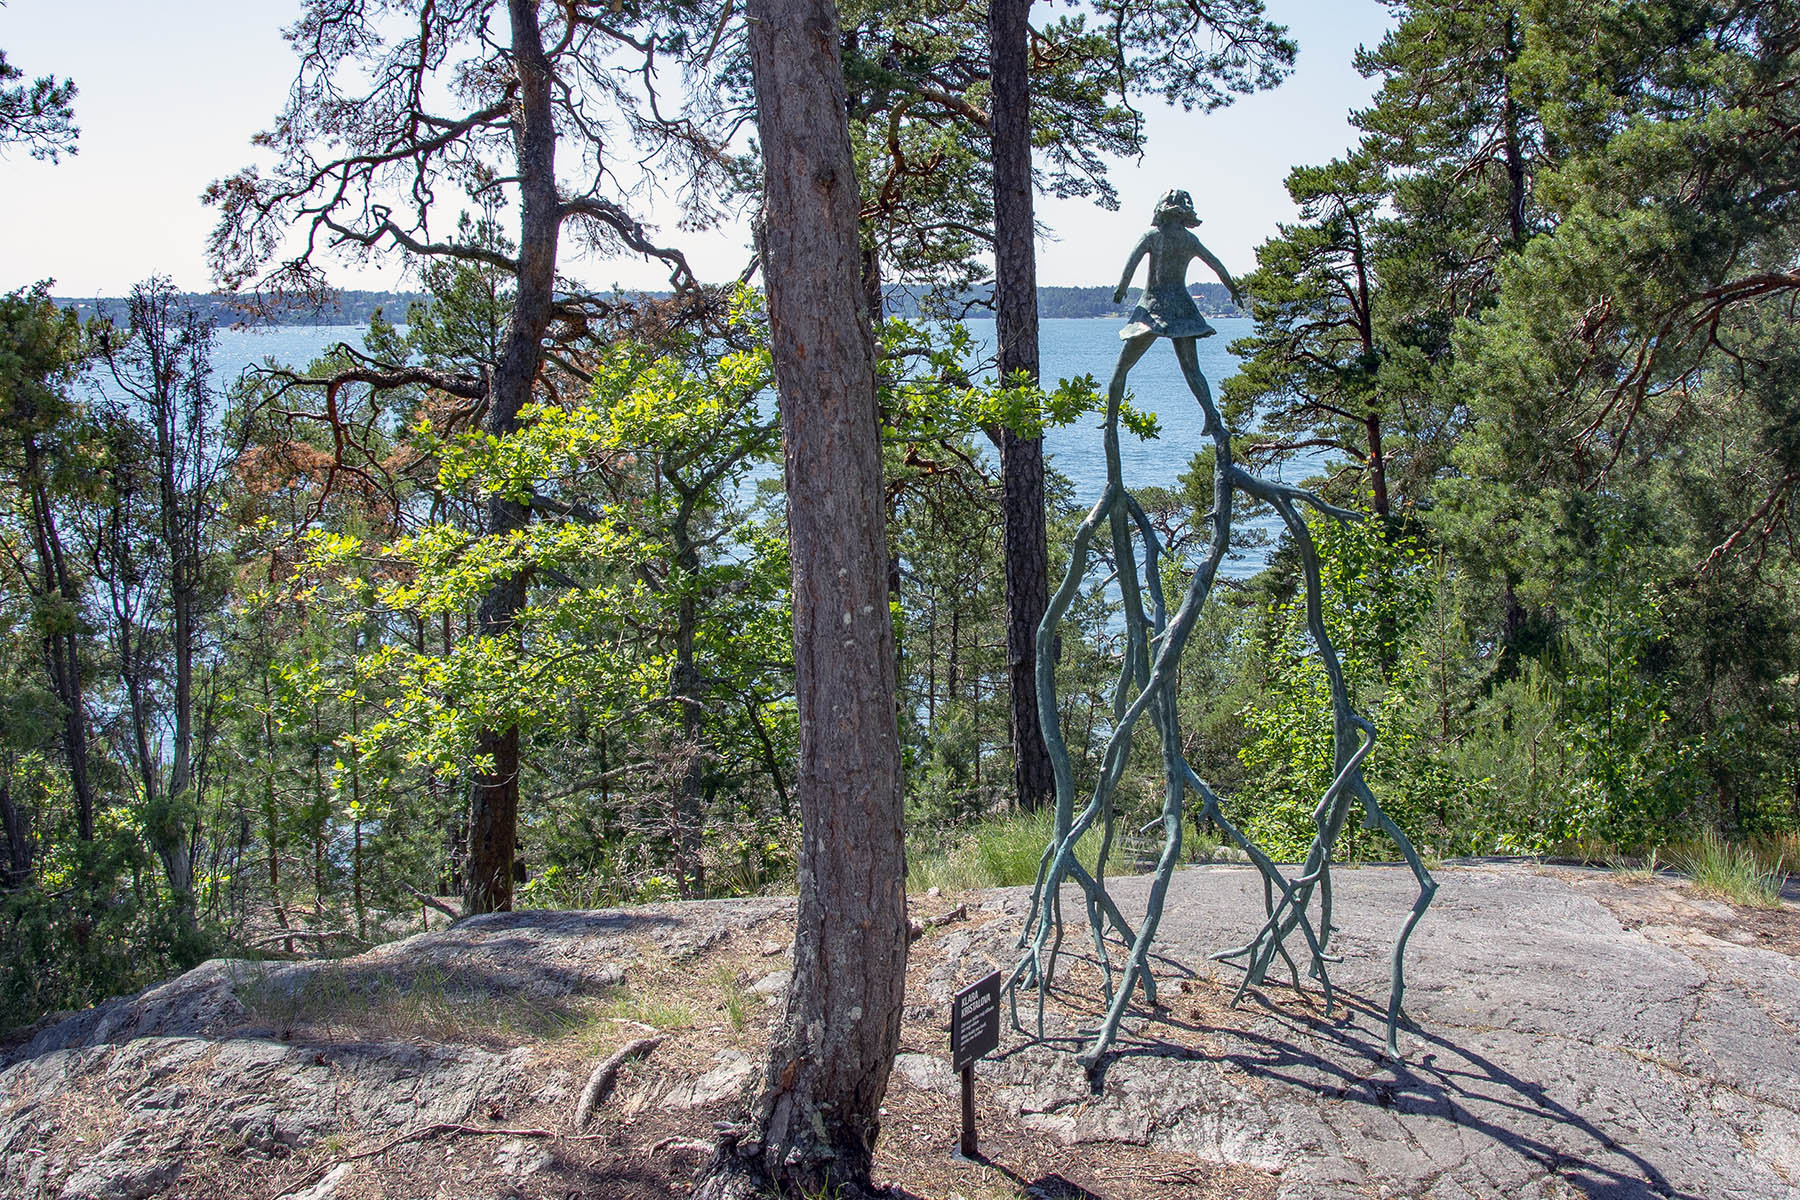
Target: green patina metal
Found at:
x=1154, y=642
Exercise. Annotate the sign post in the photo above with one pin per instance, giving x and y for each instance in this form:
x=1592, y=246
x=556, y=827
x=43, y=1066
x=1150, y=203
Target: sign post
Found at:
x=974, y=1032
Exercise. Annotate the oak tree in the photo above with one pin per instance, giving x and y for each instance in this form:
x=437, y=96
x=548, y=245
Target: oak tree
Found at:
x=386, y=113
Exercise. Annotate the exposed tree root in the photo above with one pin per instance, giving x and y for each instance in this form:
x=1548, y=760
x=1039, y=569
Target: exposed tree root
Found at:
x=917, y=929
x=601, y=1081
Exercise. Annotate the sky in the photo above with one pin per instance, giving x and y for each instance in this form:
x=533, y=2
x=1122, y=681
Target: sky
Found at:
x=170, y=94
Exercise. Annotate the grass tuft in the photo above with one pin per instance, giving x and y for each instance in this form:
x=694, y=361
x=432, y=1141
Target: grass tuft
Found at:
x=733, y=995
x=1733, y=872
x=1005, y=851
x=655, y=1011
x=1002, y=852
x=1640, y=871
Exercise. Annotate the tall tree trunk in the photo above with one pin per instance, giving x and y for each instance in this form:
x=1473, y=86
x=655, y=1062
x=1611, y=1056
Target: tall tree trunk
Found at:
x=684, y=688
x=62, y=645
x=182, y=500
x=871, y=281
x=271, y=812
x=1023, y=542
x=356, y=847
x=1364, y=305
x=494, y=792
x=455, y=832
x=1377, y=464
x=166, y=832
x=828, y=1066
x=494, y=789
x=877, y=310
x=17, y=826
x=1514, y=147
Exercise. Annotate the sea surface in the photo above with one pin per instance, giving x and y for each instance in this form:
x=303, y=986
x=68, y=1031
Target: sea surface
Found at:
x=1068, y=348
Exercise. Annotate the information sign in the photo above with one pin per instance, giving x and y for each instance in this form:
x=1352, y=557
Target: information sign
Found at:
x=975, y=1022
x=974, y=1031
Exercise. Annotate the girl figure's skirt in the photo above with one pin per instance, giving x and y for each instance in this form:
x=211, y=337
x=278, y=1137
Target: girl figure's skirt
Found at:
x=1171, y=316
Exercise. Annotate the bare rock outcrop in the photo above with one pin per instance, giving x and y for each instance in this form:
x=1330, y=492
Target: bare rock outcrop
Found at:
x=239, y=1061
x=1571, y=1034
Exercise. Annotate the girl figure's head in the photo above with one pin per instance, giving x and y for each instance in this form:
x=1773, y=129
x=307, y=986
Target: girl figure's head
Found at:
x=1176, y=206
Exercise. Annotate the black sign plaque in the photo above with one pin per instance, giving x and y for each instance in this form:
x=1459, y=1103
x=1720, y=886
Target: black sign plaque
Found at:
x=974, y=1031
x=975, y=1022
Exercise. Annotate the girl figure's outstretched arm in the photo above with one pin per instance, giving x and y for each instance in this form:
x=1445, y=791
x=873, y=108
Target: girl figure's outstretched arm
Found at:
x=1237, y=295
x=1131, y=265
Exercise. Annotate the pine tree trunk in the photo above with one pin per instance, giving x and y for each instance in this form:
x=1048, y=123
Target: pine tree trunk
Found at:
x=1513, y=147
x=494, y=793
x=1377, y=461
x=827, y=1071
x=1023, y=542
x=17, y=825
x=689, y=813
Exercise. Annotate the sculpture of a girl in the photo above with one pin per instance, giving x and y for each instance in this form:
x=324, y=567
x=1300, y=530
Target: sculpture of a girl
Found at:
x=1164, y=307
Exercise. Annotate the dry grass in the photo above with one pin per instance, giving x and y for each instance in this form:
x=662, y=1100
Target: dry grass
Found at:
x=340, y=1000
x=1749, y=873
x=1741, y=873
x=1007, y=850
x=1639, y=871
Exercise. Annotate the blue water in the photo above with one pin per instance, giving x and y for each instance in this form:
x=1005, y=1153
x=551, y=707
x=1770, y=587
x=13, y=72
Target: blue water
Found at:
x=290, y=345
x=1071, y=347
x=1068, y=348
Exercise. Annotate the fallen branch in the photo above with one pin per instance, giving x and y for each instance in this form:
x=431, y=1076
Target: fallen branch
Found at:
x=412, y=1135
x=428, y=899
x=602, y=1079
x=304, y=935
x=917, y=929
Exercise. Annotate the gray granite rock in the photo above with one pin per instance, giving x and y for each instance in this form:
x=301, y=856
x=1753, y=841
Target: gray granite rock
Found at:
x=1571, y=1036
x=223, y=1057
x=1554, y=1052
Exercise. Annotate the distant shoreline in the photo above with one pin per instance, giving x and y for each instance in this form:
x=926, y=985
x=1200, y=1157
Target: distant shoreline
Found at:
x=229, y=309
x=357, y=307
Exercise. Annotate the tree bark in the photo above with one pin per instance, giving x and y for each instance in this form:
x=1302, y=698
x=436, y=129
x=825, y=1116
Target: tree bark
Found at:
x=62, y=644
x=17, y=826
x=181, y=480
x=685, y=684
x=1513, y=148
x=494, y=792
x=1377, y=461
x=1023, y=542
x=818, y=1112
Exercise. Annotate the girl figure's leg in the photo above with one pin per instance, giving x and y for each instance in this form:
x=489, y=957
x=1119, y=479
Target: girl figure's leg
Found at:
x=1190, y=370
x=1129, y=353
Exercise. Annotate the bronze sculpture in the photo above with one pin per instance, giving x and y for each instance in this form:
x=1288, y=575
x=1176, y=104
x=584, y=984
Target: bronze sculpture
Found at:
x=1155, y=639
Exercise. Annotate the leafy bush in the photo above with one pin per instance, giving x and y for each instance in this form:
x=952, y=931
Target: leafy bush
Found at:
x=95, y=925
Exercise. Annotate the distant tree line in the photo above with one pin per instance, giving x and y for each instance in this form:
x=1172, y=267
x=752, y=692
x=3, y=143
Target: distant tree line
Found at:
x=348, y=307
x=221, y=309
